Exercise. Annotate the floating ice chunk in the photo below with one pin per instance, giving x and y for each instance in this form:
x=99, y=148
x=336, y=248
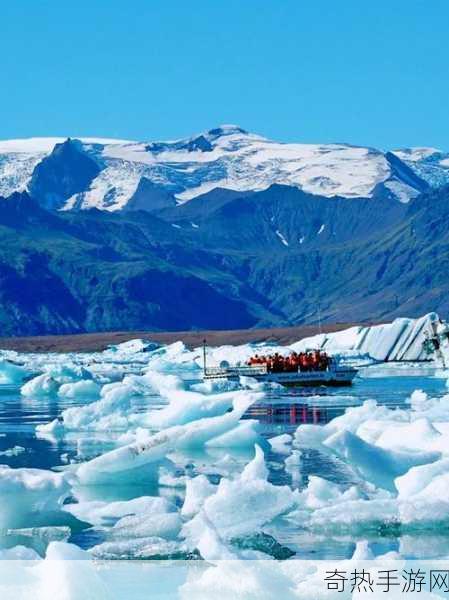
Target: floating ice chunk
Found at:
x=424, y=481
x=27, y=494
x=374, y=463
x=354, y=516
x=202, y=535
x=418, y=435
x=110, y=413
x=310, y=436
x=256, y=469
x=417, y=398
x=68, y=373
x=262, y=579
x=281, y=443
x=197, y=490
x=215, y=387
x=292, y=466
x=19, y=553
x=131, y=461
x=186, y=406
x=42, y=385
x=11, y=373
x=294, y=460
x=171, y=358
x=163, y=384
x=55, y=428
x=243, y=435
x=80, y=389
x=321, y=492
x=133, y=347
x=355, y=416
x=243, y=505
x=68, y=573
x=43, y=534
x=15, y=451
x=166, y=525
x=362, y=551
x=205, y=430
x=155, y=548
x=109, y=513
x=314, y=435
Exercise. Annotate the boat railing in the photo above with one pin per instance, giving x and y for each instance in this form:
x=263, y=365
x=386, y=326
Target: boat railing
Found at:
x=244, y=370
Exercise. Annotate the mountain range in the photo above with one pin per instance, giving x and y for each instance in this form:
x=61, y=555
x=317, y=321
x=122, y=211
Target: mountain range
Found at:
x=223, y=230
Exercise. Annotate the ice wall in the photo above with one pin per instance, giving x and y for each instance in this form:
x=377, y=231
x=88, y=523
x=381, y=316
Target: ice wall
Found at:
x=400, y=340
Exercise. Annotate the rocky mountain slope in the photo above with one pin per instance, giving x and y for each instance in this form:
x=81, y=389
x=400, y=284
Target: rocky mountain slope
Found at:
x=222, y=261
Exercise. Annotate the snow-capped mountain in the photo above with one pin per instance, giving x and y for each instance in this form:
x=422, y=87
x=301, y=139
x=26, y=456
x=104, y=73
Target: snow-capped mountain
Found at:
x=429, y=164
x=116, y=174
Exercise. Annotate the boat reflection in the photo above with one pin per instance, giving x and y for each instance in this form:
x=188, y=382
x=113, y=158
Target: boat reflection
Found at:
x=292, y=414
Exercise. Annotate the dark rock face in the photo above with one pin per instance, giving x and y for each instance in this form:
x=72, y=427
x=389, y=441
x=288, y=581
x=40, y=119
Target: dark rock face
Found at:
x=273, y=258
x=150, y=197
x=66, y=171
x=405, y=173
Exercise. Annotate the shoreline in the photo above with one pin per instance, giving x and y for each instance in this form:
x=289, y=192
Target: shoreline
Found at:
x=98, y=341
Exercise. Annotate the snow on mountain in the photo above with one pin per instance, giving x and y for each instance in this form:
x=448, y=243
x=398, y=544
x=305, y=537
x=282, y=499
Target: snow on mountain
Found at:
x=226, y=157
x=430, y=164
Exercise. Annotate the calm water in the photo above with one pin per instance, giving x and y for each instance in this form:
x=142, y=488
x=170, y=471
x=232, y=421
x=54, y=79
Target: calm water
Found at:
x=280, y=412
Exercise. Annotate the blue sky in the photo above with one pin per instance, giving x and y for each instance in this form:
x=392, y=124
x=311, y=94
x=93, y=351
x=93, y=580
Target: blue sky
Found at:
x=373, y=73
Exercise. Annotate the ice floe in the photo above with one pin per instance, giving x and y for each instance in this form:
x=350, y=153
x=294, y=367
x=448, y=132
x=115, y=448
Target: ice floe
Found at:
x=162, y=464
x=27, y=496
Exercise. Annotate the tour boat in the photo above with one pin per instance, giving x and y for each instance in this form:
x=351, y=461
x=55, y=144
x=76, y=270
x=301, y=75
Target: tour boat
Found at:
x=326, y=371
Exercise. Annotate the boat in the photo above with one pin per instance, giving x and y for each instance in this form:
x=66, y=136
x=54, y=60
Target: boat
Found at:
x=320, y=370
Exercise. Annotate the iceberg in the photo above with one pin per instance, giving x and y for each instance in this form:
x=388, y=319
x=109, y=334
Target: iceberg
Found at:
x=402, y=339
x=376, y=465
x=102, y=513
x=10, y=373
x=243, y=505
x=28, y=496
x=142, y=459
x=186, y=406
x=80, y=389
x=41, y=385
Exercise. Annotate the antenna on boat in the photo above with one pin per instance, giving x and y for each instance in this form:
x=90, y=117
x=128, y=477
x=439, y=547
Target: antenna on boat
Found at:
x=319, y=318
x=204, y=356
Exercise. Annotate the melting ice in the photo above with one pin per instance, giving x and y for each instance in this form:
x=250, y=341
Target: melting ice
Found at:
x=167, y=466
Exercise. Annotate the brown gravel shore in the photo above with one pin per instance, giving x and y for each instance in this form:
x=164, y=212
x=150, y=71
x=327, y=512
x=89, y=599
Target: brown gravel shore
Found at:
x=93, y=342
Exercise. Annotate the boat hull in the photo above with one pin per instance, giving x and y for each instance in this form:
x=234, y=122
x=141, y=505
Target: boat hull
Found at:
x=333, y=378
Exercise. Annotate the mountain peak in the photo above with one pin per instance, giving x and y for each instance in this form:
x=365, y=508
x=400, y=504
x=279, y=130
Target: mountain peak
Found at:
x=226, y=129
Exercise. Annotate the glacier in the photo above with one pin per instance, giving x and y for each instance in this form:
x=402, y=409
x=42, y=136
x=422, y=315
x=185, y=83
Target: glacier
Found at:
x=224, y=157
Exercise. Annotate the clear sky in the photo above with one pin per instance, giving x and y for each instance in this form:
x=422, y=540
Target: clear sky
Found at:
x=365, y=72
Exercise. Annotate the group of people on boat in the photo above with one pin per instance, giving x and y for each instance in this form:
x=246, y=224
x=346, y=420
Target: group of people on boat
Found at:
x=304, y=361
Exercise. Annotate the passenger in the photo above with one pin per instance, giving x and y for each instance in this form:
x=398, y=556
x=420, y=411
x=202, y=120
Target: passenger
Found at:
x=309, y=361
x=294, y=362
x=316, y=360
x=324, y=361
